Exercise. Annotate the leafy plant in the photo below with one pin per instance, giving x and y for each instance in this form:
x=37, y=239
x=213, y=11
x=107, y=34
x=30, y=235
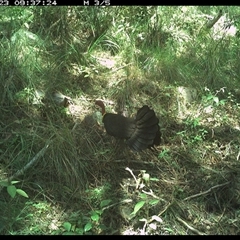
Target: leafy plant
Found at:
x=137, y=207
x=164, y=153
x=12, y=190
x=88, y=224
x=194, y=133
x=213, y=99
x=192, y=123
x=147, y=199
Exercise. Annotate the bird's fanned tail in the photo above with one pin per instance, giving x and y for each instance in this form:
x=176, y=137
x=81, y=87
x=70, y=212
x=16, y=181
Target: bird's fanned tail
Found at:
x=147, y=131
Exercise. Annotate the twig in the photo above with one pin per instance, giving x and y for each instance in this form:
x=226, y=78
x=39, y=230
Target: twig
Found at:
x=137, y=183
x=238, y=155
x=116, y=69
x=165, y=209
x=143, y=231
x=206, y=192
x=190, y=227
x=74, y=127
x=150, y=193
x=114, y=204
x=134, y=161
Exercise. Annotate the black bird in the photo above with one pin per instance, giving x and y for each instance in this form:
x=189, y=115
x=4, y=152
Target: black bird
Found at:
x=140, y=132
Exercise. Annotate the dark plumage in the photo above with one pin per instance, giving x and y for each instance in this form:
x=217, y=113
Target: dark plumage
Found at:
x=140, y=132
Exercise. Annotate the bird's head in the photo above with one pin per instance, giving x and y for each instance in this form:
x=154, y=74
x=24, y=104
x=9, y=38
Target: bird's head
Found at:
x=101, y=104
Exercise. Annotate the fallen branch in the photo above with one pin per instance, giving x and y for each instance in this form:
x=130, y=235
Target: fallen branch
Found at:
x=206, y=192
x=28, y=165
x=190, y=227
x=211, y=22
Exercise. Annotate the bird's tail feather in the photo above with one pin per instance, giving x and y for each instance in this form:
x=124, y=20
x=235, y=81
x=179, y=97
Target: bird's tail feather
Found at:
x=146, y=131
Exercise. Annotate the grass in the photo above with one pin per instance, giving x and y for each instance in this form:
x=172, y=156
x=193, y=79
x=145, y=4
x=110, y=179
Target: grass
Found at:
x=87, y=182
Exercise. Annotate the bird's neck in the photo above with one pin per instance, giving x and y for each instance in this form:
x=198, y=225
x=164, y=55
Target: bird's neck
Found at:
x=102, y=106
x=103, y=110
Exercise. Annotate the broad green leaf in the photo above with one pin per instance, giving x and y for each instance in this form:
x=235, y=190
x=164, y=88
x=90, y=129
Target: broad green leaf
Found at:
x=143, y=220
x=222, y=102
x=79, y=231
x=209, y=97
x=95, y=217
x=88, y=227
x=22, y=193
x=154, y=179
x=11, y=190
x=99, y=212
x=169, y=230
x=153, y=202
x=14, y=182
x=105, y=203
x=67, y=226
x=143, y=195
x=138, y=206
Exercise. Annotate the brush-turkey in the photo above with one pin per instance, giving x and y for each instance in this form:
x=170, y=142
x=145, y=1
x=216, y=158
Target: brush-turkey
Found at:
x=140, y=132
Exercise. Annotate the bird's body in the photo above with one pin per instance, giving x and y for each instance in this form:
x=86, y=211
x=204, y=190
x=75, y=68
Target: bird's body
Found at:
x=140, y=132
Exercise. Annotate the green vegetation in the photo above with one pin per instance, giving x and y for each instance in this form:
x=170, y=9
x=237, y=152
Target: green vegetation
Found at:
x=59, y=171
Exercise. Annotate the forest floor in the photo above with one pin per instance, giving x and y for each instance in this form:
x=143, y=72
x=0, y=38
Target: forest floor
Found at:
x=187, y=185
x=67, y=176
